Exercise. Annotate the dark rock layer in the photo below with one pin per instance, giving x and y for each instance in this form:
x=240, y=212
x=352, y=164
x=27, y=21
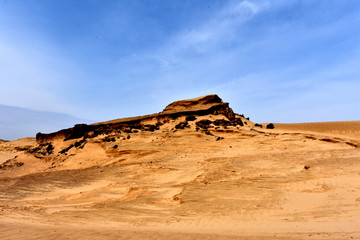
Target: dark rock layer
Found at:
x=210, y=104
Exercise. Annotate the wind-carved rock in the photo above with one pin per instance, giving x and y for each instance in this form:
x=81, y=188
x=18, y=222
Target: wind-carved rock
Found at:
x=191, y=108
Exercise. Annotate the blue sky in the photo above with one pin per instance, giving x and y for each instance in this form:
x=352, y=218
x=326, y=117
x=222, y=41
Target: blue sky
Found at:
x=273, y=60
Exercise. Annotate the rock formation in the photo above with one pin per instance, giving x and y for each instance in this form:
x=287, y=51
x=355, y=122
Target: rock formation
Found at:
x=190, y=108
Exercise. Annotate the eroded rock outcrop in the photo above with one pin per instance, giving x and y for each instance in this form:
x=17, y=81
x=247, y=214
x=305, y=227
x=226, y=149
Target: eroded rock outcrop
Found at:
x=190, y=108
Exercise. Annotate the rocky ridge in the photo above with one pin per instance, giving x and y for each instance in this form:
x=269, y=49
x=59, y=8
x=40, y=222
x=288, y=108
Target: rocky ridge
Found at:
x=207, y=115
x=202, y=106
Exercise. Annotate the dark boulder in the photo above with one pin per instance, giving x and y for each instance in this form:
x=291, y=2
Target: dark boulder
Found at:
x=221, y=122
x=181, y=125
x=150, y=127
x=77, y=131
x=203, y=123
x=190, y=118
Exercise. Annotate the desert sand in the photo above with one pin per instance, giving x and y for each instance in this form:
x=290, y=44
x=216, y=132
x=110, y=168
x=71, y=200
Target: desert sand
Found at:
x=10, y=149
x=194, y=171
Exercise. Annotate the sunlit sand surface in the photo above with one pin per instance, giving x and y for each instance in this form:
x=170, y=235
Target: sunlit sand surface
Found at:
x=297, y=181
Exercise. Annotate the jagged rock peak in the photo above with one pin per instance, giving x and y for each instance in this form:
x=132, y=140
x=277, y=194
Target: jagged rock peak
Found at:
x=194, y=104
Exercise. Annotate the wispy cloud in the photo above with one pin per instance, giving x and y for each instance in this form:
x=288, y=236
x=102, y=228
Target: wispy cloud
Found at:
x=270, y=65
x=247, y=8
x=189, y=58
x=215, y=32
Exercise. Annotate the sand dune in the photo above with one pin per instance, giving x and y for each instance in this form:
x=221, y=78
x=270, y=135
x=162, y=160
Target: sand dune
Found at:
x=209, y=176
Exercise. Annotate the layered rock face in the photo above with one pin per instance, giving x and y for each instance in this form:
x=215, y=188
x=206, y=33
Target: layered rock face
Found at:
x=210, y=104
x=206, y=105
x=199, y=103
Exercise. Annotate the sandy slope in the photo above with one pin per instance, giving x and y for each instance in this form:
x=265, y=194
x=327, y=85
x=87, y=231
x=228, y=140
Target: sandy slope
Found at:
x=349, y=129
x=10, y=149
x=171, y=176
x=186, y=184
